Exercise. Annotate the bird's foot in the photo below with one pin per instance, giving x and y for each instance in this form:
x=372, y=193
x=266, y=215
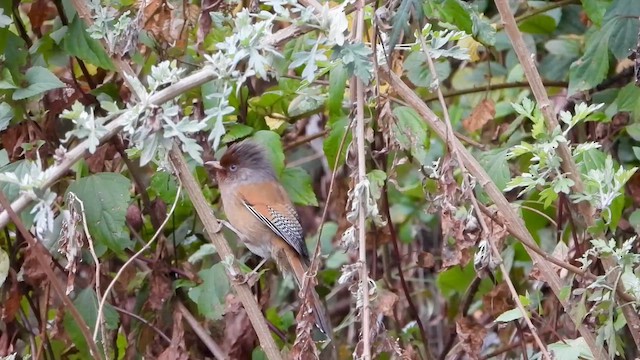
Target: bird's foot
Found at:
x=251, y=277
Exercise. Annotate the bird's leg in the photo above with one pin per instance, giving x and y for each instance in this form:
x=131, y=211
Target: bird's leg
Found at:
x=230, y=227
x=251, y=277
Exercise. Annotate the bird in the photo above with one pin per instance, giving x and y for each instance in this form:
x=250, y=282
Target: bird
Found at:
x=259, y=209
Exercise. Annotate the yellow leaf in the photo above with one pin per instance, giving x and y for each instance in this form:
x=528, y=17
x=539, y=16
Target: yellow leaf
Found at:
x=273, y=123
x=473, y=46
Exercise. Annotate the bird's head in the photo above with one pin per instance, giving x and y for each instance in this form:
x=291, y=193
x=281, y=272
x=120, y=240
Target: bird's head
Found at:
x=244, y=162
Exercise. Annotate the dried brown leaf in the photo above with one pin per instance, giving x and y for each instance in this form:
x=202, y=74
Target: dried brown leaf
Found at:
x=41, y=11
x=480, y=116
x=471, y=335
x=161, y=288
x=177, y=349
x=32, y=268
x=239, y=337
x=497, y=301
x=134, y=217
x=11, y=305
x=426, y=260
x=385, y=301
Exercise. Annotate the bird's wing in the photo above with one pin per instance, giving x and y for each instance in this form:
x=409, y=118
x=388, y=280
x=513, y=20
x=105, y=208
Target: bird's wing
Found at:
x=270, y=203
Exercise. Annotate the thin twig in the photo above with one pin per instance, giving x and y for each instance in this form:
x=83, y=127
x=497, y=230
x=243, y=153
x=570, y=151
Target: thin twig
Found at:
x=494, y=87
x=204, y=336
x=305, y=139
x=132, y=259
x=144, y=321
x=359, y=135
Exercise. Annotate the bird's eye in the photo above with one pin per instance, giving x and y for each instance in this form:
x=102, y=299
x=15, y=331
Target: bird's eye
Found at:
x=233, y=167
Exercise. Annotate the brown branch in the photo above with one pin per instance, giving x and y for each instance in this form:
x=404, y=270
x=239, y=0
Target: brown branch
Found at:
x=304, y=140
x=144, y=321
x=493, y=87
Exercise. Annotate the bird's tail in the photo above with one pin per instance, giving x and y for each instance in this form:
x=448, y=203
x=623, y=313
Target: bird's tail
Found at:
x=322, y=319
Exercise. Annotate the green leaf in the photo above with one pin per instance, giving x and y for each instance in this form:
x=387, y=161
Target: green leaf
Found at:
x=235, y=132
x=418, y=71
x=592, y=159
x=455, y=280
x=164, y=186
x=483, y=31
x=509, y=315
x=614, y=213
x=6, y=114
x=270, y=141
x=538, y=24
x=411, y=132
x=595, y=10
x=356, y=59
x=268, y=99
x=78, y=43
x=627, y=100
x=12, y=191
x=210, y=295
x=548, y=196
x=634, y=219
x=106, y=199
x=589, y=71
x=331, y=143
x=376, y=182
x=305, y=104
x=40, y=80
x=203, y=252
x=495, y=164
x=87, y=304
x=338, y=77
x=457, y=13
x=621, y=27
x=571, y=349
x=401, y=21
x=624, y=37
x=298, y=184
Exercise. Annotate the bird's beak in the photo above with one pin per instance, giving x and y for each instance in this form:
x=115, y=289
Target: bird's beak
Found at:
x=214, y=164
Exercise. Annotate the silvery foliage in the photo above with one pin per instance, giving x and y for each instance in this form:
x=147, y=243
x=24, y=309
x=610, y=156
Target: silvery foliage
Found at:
x=602, y=185
x=32, y=184
x=601, y=291
x=332, y=22
x=5, y=20
x=117, y=31
x=437, y=41
x=87, y=126
x=250, y=41
x=150, y=129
